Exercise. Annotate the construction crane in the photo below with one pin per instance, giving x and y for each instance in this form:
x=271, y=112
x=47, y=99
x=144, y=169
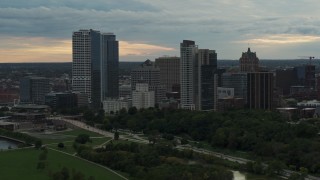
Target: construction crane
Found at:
x=310, y=58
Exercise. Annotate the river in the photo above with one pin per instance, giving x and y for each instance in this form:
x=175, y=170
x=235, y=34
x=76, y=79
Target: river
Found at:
x=238, y=176
x=5, y=144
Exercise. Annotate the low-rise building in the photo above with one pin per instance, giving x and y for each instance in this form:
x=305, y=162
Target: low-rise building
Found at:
x=115, y=105
x=142, y=97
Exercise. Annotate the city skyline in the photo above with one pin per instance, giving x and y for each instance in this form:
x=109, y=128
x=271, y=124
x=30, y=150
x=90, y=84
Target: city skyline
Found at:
x=39, y=31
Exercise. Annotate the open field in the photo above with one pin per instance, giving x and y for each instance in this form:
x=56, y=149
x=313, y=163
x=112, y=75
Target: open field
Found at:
x=62, y=136
x=22, y=163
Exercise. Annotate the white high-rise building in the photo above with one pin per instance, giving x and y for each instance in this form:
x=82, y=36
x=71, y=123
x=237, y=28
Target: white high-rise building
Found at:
x=142, y=97
x=81, y=63
x=188, y=51
x=95, y=65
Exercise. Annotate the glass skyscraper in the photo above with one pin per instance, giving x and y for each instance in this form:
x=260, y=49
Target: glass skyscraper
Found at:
x=95, y=65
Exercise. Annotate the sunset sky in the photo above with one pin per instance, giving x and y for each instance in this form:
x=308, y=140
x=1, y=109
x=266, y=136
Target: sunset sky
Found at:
x=40, y=30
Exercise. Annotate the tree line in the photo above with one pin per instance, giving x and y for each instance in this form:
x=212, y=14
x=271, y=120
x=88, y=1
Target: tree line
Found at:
x=266, y=135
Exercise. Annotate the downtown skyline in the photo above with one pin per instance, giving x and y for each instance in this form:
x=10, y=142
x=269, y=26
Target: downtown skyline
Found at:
x=40, y=31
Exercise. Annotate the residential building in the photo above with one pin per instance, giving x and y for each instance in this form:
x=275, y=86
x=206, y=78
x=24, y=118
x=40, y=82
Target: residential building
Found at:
x=199, y=78
x=188, y=52
x=95, y=65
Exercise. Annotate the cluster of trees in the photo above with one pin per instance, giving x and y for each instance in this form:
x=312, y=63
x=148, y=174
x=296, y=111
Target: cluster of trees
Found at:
x=153, y=162
x=262, y=133
x=3, y=111
x=64, y=174
x=22, y=137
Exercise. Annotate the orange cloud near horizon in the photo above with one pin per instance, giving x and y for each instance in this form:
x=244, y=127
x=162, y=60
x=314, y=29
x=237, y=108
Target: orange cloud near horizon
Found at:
x=40, y=49
x=281, y=39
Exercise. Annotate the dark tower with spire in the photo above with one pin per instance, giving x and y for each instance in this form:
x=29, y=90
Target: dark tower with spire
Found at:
x=249, y=62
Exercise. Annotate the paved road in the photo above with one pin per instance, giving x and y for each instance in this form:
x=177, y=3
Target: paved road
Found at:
x=101, y=132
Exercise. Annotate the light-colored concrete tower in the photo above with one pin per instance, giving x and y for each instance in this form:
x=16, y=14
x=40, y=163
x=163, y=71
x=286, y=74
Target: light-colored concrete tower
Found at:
x=142, y=97
x=95, y=64
x=81, y=62
x=188, y=52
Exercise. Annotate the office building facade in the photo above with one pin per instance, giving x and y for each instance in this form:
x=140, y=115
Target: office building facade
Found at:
x=260, y=90
x=149, y=74
x=198, y=77
x=169, y=72
x=95, y=65
x=34, y=89
x=206, y=80
x=237, y=81
x=249, y=62
x=143, y=97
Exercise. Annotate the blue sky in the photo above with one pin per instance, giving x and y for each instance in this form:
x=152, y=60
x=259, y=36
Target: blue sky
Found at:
x=40, y=30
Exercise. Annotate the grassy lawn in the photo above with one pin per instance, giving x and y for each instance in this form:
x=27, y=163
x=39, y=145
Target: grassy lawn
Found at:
x=21, y=164
x=63, y=136
x=68, y=145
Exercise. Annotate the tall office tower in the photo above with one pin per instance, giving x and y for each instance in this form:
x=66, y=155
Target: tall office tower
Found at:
x=142, y=97
x=238, y=81
x=188, y=52
x=95, y=65
x=169, y=72
x=149, y=74
x=110, y=66
x=34, y=89
x=249, y=62
x=206, y=80
x=260, y=90
x=285, y=78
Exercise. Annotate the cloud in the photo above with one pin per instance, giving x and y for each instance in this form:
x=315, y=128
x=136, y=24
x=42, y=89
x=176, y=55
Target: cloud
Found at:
x=139, y=49
x=281, y=39
x=42, y=49
x=214, y=24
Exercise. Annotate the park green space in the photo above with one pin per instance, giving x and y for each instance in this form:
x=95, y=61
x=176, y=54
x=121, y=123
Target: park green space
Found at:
x=68, y=145
x=76, y=132
x=23, y=163
x=63, y=136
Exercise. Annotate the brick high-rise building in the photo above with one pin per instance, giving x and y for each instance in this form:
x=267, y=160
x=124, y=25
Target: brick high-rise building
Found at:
x=169, y=72
x=249, y=62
